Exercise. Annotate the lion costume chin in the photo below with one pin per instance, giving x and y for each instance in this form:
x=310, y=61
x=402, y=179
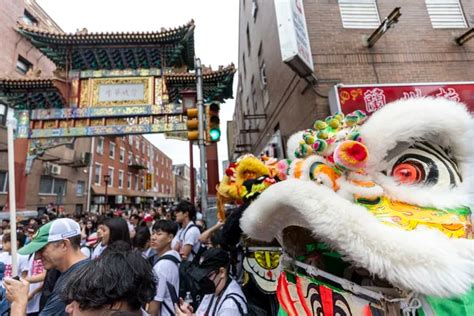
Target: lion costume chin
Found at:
x=390, y=196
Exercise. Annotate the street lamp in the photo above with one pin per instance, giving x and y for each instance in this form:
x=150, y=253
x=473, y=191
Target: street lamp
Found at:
x=106, y=180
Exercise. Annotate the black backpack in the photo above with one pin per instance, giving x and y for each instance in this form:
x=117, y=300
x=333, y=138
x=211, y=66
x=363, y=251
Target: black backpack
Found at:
x=153, y=260
x=201, y=249
x=187, y=281
x=237, y=300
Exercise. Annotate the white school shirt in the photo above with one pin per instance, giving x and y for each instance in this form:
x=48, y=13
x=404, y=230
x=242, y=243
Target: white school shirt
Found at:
x=6, y=258
x=98, y=250
x=188, y=236
x=226, y=306
x=35, y=267
x=166, y=271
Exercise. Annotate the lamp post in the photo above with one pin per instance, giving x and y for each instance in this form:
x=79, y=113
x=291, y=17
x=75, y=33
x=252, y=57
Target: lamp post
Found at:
x=106, y=180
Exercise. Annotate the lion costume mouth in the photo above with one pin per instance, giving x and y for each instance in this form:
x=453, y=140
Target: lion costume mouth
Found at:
x=390, y=234
x=423, y=260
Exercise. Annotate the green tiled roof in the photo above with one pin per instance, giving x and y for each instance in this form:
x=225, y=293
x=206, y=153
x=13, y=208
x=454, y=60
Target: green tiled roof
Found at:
x=34, y=93
x=167, y=48
x=42, y=93
x=217, y=85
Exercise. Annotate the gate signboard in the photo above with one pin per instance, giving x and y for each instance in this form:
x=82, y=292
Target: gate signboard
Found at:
x=370, y=98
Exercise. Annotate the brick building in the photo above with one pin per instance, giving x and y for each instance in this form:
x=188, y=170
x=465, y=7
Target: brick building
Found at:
x=273, y=101
x=127, y=161
x=17, y=55
x=59, y=175
x=182, y=176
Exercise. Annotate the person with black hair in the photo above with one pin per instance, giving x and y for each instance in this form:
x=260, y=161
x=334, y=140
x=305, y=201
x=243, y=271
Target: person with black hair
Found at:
x=111, y=230
x=165, y=267
x=141, y=242
x=186, y=241
x=223, y=295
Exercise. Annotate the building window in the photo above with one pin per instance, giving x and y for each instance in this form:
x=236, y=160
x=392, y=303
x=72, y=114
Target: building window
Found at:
x=446, y=14
x=142, y=183
x=100, y=145
x=129, y=181
x=98, y=173
x=244, y=66
x=3, y=181
x=137, y=143
x=122, y=154
x=111, y=175
x=3, y=113
x=120, y=179
x=130, y=140
x=130, y=158
x=29, y=19
x=254, y=9
x=53, y=186
x=248, y=40
x=80, y=185
x=359, y=14
x=143, y=148
x=23, y=65
x=111, y=150
x=136, y=182
x=263, y=76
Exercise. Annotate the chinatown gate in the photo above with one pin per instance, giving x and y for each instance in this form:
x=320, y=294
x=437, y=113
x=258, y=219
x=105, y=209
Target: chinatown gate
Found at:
x=109, y=84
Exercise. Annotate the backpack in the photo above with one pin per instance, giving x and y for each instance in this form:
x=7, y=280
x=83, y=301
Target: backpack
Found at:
x=153, y=260
x=196, y=254
x=234, y=296
x=187, y=281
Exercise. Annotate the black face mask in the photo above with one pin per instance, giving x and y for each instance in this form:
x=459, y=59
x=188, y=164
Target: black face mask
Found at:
x=206, y=286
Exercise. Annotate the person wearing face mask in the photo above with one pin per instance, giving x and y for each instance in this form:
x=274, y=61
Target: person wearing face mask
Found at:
x=223, y=295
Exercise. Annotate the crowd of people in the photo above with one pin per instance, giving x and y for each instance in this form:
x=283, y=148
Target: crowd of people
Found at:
x=154, y=262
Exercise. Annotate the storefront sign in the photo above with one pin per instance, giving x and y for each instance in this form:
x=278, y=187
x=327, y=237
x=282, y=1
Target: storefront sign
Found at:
x=293, y=33
x=370, y=98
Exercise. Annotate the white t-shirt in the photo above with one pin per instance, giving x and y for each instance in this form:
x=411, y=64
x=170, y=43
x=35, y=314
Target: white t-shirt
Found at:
x=166, y=271
x=35, y=268
x=188, y=236
x=86, y=251
x=6, y=258
x=98, y=250
x=225, y=306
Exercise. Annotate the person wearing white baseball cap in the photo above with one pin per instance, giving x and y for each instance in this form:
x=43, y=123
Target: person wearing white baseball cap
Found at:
x=57, y=244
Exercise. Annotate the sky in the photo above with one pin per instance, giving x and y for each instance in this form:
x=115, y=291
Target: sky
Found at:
x=215, y=39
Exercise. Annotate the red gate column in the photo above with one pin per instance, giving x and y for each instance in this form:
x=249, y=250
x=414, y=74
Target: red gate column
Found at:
x=21, y=150
x=212, y=169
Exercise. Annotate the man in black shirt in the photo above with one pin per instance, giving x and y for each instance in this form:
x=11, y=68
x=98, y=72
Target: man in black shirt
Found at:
x=57, y=244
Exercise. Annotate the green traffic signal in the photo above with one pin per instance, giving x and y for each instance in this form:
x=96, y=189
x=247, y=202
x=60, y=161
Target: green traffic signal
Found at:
x=215, y=134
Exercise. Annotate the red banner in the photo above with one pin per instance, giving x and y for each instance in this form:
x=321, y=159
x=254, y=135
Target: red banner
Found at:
x=371, y=98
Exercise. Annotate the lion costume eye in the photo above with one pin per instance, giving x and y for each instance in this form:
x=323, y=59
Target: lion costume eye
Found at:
x=409, y=172
x=425, y=163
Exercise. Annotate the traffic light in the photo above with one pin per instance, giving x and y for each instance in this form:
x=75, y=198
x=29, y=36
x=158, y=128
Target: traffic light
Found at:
x=192, y=124
x=148, y=181
x=213, y=121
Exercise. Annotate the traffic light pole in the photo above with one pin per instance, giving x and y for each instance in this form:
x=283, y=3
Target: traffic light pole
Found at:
x=201, y=141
